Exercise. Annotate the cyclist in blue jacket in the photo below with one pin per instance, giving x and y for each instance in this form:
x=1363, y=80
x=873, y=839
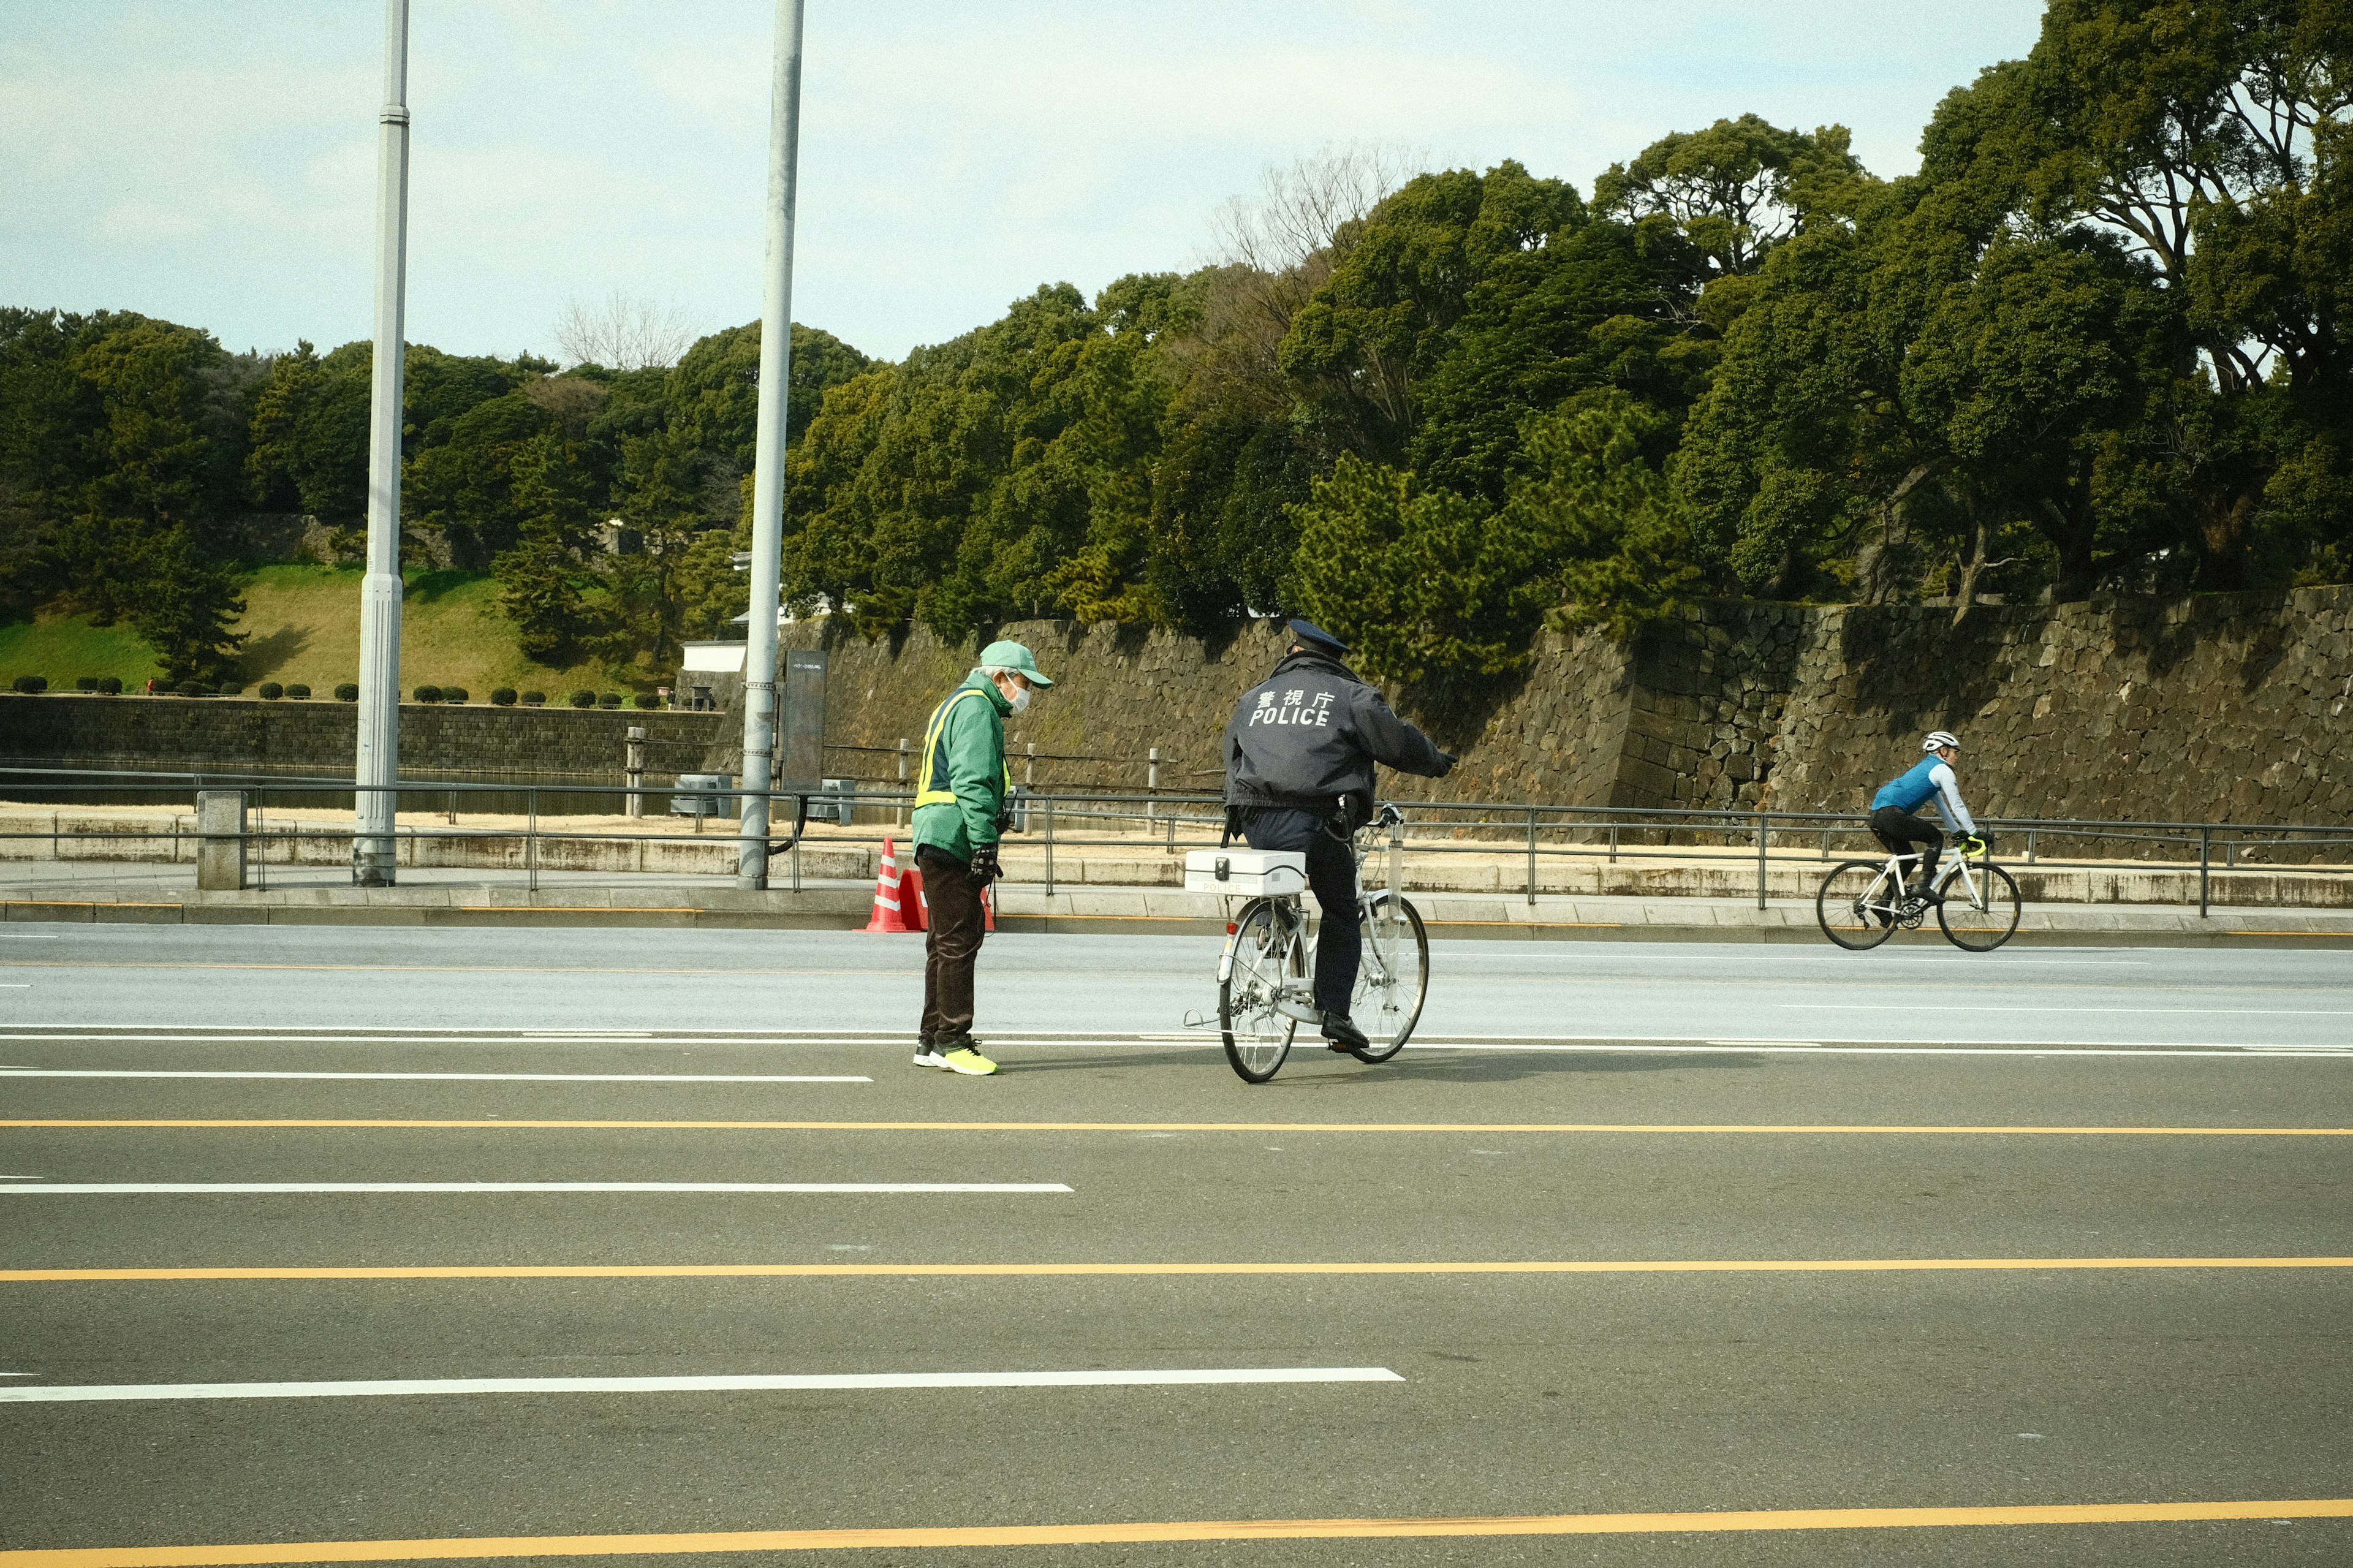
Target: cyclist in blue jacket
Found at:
x=1892, y=821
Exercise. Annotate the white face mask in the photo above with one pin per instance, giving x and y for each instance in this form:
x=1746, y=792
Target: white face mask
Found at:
x=1020, y=698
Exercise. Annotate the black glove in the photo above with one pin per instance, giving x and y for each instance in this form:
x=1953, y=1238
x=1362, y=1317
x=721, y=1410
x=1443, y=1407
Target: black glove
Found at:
x=985, y=868
x=1446, y=760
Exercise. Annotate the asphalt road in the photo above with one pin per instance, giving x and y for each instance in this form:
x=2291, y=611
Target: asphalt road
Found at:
x=1918, y=989
x=1633, y=1110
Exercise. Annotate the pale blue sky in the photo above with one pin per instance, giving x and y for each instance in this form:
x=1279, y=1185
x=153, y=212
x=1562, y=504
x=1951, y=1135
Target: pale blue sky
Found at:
x=212, y=160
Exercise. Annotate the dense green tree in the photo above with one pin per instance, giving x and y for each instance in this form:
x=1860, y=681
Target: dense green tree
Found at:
x=546, y=577
x=2206, y=136
x=1730, y=193
x=1382, y=323
x=119, y=436
x=1613, y=544
x=2096, y=343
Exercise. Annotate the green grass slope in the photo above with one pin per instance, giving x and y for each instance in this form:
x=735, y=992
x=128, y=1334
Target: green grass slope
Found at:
x=64, y=648
x=302, y=624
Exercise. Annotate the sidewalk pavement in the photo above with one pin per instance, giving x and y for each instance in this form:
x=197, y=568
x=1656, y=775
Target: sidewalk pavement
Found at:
x=166, y=893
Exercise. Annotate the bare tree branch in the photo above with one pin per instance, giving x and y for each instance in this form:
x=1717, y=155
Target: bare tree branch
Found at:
x=622, y=331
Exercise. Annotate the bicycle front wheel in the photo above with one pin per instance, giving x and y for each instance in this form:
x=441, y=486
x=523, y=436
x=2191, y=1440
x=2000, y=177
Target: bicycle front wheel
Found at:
x=1982, y=923
x=1393, y=978
x=1858, y=906
x=1267, y=951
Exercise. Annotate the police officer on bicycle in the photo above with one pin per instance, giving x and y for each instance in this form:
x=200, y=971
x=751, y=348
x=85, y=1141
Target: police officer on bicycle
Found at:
x=1299, y=776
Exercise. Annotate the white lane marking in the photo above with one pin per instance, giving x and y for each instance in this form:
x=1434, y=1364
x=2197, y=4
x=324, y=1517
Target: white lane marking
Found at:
x=1591, y=1044
x=12, y=936
x=449, y=1077
x=110, y=1188
x=588, y=1034
x=1801, y=1048
x=15, y=986
x=79, y=1393
x=2005, y=1007
x=319, y=1037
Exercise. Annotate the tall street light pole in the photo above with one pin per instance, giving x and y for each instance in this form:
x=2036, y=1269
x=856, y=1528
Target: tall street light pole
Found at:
x=376, y=759
x=768, y=455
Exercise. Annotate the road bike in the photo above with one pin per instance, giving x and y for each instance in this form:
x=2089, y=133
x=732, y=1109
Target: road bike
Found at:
x=1266, y=976
x=1862, y=902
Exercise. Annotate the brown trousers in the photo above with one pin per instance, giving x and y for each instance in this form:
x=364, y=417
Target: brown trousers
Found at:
x=951, y=943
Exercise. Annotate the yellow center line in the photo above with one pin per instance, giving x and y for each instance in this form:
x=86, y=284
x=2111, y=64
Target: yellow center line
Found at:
x=1178, y=1529
x=523, y=1124
x=916, y=1270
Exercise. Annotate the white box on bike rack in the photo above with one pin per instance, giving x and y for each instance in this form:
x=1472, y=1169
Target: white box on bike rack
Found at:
x=1245, y=873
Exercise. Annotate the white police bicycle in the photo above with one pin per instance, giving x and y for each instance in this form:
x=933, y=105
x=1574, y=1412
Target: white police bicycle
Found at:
x=1266, y=976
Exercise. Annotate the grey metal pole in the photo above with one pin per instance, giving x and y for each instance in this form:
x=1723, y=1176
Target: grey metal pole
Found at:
x=1763, y=819
x=376, y=757
x=768, y=452
x=1532, y=856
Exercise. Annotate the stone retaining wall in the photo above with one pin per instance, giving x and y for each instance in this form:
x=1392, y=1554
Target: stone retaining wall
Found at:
x=184, y=734
x=2228, y=708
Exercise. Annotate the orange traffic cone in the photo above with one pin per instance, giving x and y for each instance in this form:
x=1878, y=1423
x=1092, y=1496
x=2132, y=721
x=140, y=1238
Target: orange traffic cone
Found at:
x=888, y=895
x=911, y=902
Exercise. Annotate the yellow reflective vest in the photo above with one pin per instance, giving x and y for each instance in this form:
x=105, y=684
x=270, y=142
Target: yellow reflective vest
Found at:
x=963, y=783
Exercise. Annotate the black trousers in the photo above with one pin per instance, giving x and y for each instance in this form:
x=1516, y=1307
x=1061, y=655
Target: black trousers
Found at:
x=1332, y=875
x=1899, y=830
x=951, y=943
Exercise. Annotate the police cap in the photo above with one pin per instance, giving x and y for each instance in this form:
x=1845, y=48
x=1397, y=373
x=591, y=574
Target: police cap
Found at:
x=1308, y=633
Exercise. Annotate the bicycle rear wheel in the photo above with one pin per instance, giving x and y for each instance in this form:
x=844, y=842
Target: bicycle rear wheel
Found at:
x=1393, y=978
x=1985, y=923
x=1266, y=950
x=1858, y=906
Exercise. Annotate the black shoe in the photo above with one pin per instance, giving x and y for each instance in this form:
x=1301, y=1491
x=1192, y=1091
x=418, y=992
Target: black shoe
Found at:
x=1928, y=900
x=1341, y=1034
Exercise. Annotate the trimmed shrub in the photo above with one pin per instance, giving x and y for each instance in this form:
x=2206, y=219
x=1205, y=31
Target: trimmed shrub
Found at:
x=647, y=700
x=348, y=691
x=272, y=692
x=84, y=683
x=610, y=699
x=190, y=688
x=583, y=699
x=109, y=686
x=535, y=698
x=299, y=692
x=31, y=684
x=231, y=689
x=503, y=697
x=454, y=694
x=427, y=694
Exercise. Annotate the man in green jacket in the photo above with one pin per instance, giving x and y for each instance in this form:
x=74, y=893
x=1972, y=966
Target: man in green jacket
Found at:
x=960, y=809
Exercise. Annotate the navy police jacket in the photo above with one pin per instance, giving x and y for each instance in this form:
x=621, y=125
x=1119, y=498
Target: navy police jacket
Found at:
x=1310, y=734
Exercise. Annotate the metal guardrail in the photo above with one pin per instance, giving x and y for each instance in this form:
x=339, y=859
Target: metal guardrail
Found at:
x=1172, y=820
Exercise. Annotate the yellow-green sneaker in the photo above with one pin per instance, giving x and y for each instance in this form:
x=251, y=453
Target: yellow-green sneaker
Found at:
x=965, y=1058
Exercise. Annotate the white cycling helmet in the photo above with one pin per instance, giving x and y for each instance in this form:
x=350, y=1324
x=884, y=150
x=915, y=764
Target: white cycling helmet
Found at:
x=1938, y=738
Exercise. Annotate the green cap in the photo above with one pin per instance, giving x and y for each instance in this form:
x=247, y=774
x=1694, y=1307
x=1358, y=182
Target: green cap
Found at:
x=1013, y=656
